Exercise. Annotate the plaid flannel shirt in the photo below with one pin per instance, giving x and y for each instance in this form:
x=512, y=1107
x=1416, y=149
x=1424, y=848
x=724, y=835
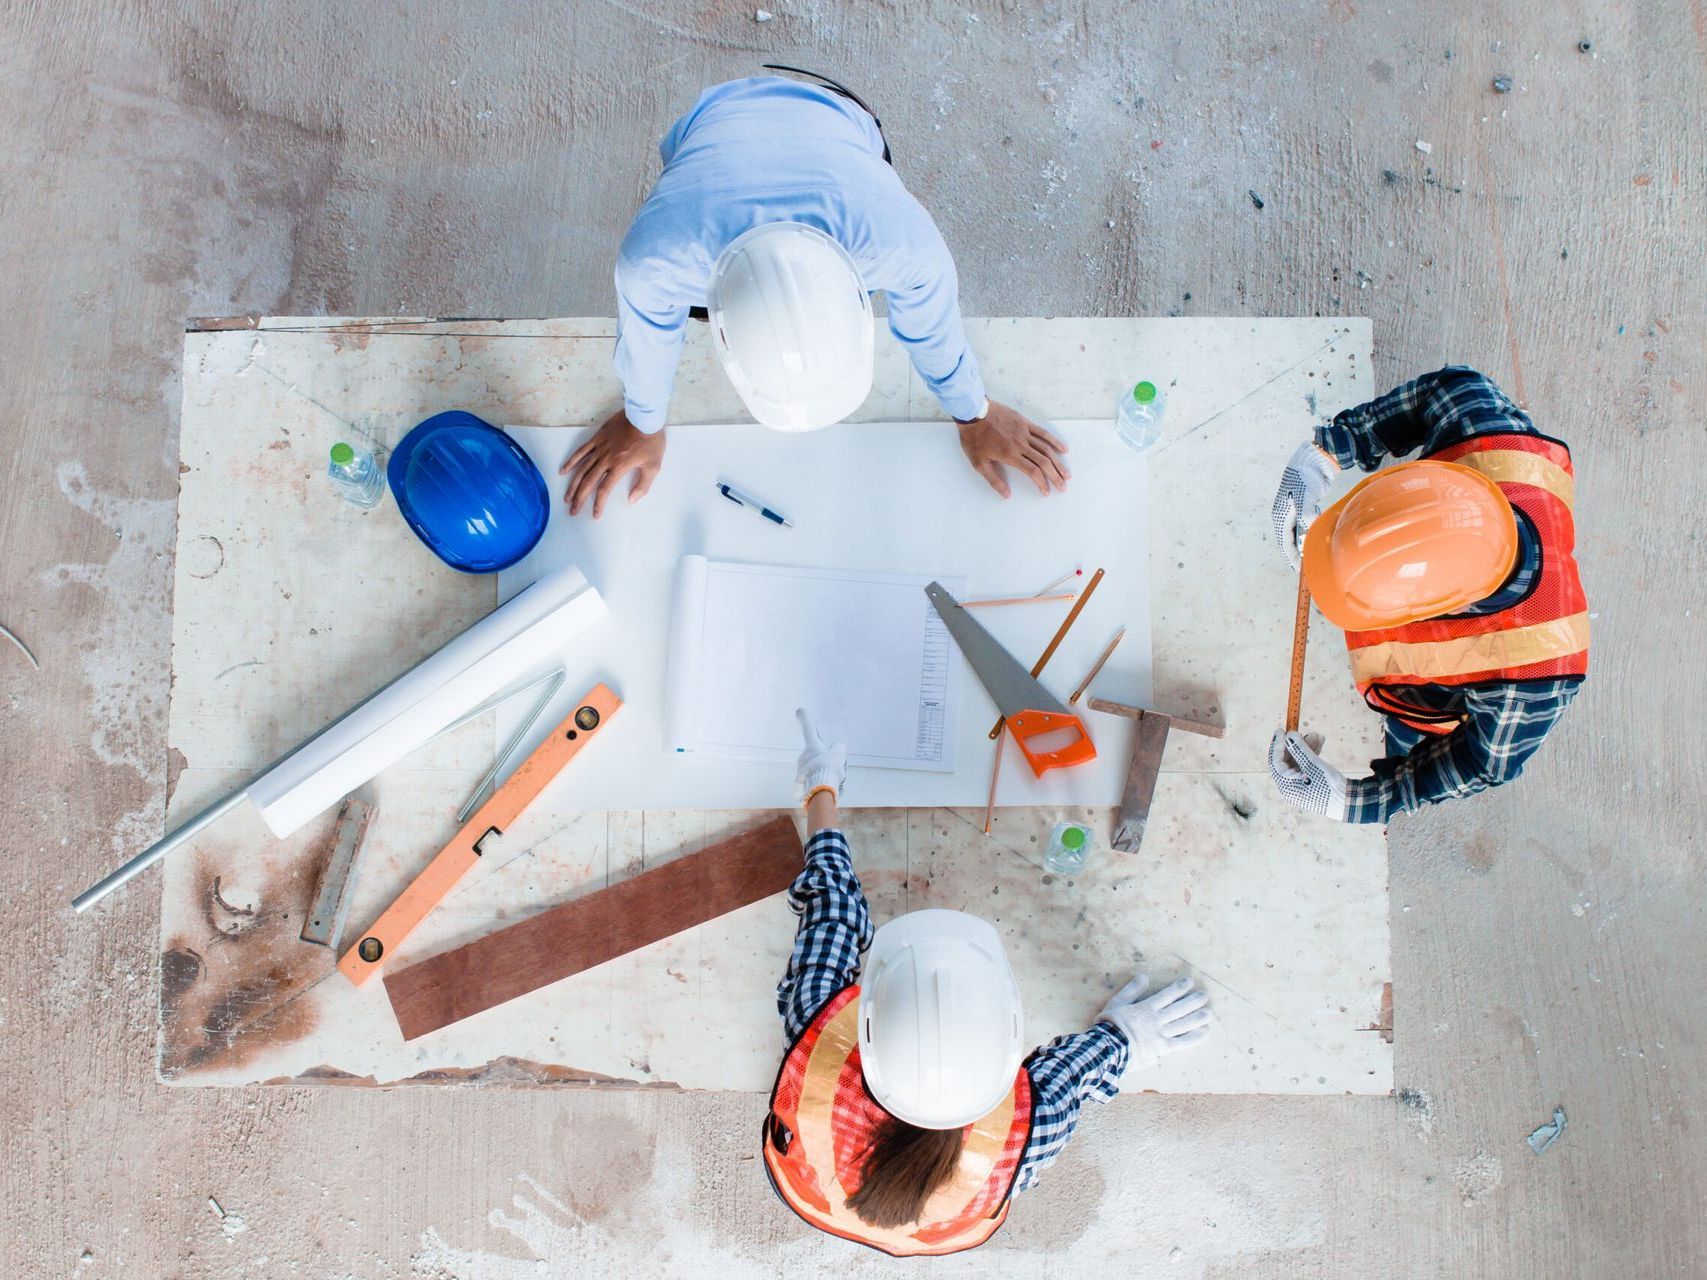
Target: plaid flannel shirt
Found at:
x=835, y=928
x=1503, y=725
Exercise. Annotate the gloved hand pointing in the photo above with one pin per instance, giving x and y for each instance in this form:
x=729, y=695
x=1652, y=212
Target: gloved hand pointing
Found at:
x=1304, y=485
x=1303, y=778
x=1176, y=1017
x=822, y=764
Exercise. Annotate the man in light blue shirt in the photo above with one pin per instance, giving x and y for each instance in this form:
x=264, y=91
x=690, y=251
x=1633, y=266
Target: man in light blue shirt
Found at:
x=770, y=150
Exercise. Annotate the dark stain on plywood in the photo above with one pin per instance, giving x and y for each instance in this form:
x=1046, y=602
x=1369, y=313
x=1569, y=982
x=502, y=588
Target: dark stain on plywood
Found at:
x=238, y=988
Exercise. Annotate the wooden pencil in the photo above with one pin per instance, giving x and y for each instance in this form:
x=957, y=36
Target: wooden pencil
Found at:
x=1097, y=666
x=985, y=604
x=1073, y=574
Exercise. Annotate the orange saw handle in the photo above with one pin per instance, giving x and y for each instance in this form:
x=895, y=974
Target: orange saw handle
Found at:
x=586, y=722
x=1037, y=724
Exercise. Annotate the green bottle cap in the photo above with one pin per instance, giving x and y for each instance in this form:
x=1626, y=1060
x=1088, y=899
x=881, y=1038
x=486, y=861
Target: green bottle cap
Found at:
x=342, y=454
x=1144, y=392
x=1073, y=838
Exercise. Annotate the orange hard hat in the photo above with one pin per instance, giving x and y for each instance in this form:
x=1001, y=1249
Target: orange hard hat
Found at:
x=1415, y=541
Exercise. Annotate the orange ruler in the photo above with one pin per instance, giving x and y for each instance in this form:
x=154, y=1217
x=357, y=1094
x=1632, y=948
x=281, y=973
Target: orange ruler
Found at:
x=455, y=860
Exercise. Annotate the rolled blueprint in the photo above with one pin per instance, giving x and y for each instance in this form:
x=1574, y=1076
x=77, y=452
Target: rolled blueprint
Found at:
x=531, y=628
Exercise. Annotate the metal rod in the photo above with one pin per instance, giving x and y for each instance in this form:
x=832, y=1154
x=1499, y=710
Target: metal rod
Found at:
x=496, y=700
x=522, y=731
x=160, y=848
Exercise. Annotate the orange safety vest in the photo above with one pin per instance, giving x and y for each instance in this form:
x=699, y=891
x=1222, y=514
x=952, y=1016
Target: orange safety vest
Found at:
x=823, y=1121
x=1544, y=636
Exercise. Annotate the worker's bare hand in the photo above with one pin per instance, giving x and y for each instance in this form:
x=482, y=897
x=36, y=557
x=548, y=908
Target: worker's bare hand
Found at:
x=1004, y=437
x=610, y=453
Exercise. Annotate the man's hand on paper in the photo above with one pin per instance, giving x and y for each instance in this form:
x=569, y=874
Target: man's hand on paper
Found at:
x=615, y=449
x=1006, y=437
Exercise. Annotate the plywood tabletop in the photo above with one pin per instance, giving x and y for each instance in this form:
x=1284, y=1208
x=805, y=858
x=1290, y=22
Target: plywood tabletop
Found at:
x=290, y=606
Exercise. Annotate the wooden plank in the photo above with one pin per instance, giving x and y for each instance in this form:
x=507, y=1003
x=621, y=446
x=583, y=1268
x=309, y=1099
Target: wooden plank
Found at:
x=1134, y=813
x=589, y=931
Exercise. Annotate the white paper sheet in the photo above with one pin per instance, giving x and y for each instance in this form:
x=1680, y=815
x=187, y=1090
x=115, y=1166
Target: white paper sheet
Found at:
x=865, y=653
x=892, y=497
x=534, y=627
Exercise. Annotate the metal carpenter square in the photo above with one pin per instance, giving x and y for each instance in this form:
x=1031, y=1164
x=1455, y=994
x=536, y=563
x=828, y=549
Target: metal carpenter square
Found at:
x=324, y=924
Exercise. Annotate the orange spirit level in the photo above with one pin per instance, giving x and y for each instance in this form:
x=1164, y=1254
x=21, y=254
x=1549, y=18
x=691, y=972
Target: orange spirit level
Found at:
x=441, y=875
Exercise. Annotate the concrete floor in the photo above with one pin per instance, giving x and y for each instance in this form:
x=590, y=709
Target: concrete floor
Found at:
x=166, y=160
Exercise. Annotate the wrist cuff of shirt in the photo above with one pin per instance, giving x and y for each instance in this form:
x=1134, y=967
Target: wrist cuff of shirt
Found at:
x=1330, y=436
x=983, y=412
x=1363, y=800
x=646, y=423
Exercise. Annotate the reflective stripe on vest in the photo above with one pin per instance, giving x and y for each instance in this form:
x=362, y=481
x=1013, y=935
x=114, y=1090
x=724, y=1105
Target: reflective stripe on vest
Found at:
x=821, y=1104
x=1443, y=661
x=1542, y=637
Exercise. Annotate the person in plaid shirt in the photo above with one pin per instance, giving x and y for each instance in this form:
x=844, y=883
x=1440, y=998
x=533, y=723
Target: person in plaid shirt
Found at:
x=1468, y=690
x=835, y=929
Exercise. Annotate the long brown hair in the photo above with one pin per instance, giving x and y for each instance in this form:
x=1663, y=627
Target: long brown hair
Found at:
x=904, y=1167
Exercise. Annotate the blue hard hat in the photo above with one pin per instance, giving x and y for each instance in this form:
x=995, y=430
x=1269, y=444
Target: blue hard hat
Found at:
x=469, y=492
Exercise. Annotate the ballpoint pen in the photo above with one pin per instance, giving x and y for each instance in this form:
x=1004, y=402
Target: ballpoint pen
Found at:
x=753, y=504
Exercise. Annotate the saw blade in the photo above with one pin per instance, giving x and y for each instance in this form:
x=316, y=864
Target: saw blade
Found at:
x=1011, y=687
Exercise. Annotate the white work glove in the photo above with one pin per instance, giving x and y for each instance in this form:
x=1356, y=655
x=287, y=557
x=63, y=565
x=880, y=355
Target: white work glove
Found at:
x=1303, y=488
x=1175, y=1018
x=1303, y=778
x=822, y=764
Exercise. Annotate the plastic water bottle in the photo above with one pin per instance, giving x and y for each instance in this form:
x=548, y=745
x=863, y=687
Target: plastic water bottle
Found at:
x=1138, y=417
x=1070, y=843
x=359, y=479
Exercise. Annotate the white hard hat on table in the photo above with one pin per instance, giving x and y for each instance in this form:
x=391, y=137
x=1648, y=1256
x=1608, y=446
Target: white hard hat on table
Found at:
x=940, y=1023
x=792, y=323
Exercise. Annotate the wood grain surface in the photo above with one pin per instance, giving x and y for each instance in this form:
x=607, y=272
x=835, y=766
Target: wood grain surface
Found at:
x=565, y=940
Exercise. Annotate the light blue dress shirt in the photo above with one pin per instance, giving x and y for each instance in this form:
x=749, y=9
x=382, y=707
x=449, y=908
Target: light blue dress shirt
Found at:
x=775, y=150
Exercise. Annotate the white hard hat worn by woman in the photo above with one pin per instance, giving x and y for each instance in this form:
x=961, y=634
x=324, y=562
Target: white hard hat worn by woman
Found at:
x=940, y=1032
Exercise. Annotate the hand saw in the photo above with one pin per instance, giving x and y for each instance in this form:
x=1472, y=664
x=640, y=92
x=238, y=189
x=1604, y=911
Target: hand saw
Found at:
x=1029, y=710
x=454, y=861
